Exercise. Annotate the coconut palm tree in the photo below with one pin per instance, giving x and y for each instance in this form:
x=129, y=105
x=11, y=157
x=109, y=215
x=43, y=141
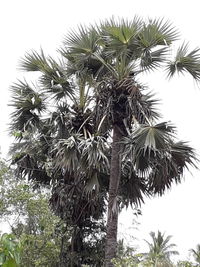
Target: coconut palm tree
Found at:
x=160, y=250
x=90, y=120
x=196, y=254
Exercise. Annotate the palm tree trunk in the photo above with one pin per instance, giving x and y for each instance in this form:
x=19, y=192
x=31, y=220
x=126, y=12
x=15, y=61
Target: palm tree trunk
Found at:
x=112, y=216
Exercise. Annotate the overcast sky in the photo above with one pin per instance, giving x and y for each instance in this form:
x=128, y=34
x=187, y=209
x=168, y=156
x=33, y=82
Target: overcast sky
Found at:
x=27, y=25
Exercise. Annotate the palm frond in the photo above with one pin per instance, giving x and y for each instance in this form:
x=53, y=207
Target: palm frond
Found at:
x=55, y=81
x=185, y=61
x=84, y=41
x=144, y=107
x=34, y=62
x=151, y=60
x=120, y=29
x=146, y=145
x=94, y=153
x=171, y=166
x=28, y=104
x=157, y=32
x=26, y=98
x=183, y=155
x=155, y=138
x=70, y=201
x=132, y=188
x=54, y=78
x=59, y=122
x=83, y=50
x=155, y=156
x=67, y=153
x=29, y=166
x=119, y=36
x=58, y=90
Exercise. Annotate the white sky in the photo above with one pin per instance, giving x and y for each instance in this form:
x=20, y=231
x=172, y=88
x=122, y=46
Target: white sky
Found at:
x=27, y=25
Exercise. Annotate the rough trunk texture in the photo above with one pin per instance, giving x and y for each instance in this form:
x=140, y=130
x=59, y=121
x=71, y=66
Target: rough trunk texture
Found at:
x=112, y=217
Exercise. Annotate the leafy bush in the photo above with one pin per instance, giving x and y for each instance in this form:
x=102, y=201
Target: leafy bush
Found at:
x=10, y=249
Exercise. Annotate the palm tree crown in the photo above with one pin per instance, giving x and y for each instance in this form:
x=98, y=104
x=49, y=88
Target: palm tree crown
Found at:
x=160, y=249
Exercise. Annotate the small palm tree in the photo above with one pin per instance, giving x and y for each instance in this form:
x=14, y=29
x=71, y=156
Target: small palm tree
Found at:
x=196, y=254
x=160, y=250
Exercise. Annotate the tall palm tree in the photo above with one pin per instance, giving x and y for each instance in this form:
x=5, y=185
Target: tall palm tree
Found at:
x=114, y=54
x=160, y=250
x=104, y=131
x=196, y=254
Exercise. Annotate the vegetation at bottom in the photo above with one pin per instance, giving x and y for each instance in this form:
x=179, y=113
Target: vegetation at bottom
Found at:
x=38, y=238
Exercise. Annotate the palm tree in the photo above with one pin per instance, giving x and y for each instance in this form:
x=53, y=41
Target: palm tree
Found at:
x=160, y=250
x=196, y=254
x=103, y=132
x=52, y=136
x=114, y=54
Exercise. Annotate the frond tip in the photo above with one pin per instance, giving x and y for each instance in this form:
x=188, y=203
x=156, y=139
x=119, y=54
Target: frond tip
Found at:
x=34, y=61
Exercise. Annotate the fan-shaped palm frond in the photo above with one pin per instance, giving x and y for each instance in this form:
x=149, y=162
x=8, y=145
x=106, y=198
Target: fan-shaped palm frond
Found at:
x=57, y=124
x=67, y=153
x=157, y=32
x=59, y=89
x=119, y=36
x=34, y=62
x=28, y=104
x=151, y=138
x=168, y=167
x=151, y=60
x=183, y=155
x=86, y=157
x=157, y=158
x=84, y=52
x=95, y=153
x=144, y=108
x=70, y=193
x=132, y=187
x=185, y=61
x=84, y=41
x=29, y=166
x=54, y=78
x=26, y=98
